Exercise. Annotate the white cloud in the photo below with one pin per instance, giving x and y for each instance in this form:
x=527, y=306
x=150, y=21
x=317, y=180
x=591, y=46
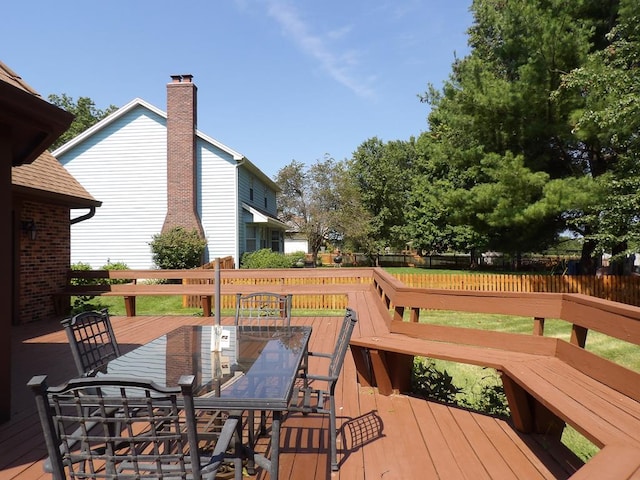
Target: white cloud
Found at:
x=339, y=65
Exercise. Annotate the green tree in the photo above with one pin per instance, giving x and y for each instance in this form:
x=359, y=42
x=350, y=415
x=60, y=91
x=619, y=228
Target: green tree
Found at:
x=432, y=223
x=86, y=114
x=609, y=121
x=383, y=175
x=502, y=148
x=319, y=201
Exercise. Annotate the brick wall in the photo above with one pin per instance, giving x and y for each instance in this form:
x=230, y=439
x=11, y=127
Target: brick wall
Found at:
x=43, y=262
x=181, y=154
x=180, y=353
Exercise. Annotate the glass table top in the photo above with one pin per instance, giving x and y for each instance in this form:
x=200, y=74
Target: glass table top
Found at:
x=254, y=367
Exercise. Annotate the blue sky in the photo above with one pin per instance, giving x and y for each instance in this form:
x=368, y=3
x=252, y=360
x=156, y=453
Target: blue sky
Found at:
x=277, y=80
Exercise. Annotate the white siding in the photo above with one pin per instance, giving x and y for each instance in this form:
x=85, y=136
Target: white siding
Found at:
x=295, y=245
x=123, y=166
x=217, y=200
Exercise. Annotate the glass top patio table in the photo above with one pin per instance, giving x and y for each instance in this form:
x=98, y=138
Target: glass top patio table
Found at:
x=255, y=368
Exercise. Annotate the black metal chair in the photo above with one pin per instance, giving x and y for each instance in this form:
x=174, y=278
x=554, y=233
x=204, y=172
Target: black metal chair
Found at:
x=92, y=341
x=153, y=436
x=307, y=398
x=263, y=309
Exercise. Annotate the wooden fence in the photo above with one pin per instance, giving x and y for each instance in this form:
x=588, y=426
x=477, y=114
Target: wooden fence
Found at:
x=623, y=289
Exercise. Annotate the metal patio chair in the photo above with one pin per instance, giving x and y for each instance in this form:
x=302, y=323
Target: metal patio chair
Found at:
x=307, y=398
x=154, y=435
x=92, y=341
x=262, y=309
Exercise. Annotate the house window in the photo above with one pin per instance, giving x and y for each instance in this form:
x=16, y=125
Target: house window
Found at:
x=251, y=239
x=251, y=193
x=275, y=240
x=265, y=202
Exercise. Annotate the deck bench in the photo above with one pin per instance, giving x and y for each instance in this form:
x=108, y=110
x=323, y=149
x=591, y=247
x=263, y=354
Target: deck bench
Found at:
x=543, y=391
x=548, y=382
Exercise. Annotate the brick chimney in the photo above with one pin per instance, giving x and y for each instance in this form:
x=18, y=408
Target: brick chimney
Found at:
x=181, y=155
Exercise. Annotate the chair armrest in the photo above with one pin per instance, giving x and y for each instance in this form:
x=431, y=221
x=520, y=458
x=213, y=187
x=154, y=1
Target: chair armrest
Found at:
x=319, y=354
x=324, y=378
x=210, y=469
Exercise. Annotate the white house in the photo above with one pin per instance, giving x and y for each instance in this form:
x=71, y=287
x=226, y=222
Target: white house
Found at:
x=154, y=170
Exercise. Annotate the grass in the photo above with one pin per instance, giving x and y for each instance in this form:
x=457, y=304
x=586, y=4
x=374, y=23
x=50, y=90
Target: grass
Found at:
x=172, y=305
x=618, y=351
x=424, y=271
x=448, y=271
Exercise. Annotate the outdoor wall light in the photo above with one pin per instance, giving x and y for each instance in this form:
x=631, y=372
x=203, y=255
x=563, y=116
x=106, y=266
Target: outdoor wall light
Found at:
x=29, y=227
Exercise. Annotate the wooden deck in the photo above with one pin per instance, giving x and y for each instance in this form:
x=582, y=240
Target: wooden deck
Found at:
x=388, y=437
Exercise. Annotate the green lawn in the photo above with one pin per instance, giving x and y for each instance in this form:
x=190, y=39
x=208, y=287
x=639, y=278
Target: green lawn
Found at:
x=172, y=305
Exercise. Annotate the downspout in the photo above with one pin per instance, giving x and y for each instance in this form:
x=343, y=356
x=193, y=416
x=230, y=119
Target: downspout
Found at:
x=238, y=211
x=92, y=212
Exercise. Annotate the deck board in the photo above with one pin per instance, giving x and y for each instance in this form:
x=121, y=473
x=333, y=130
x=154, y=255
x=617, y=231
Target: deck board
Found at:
x=390, y=437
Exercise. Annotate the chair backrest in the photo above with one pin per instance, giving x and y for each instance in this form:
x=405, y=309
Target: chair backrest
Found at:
x=342, y=343
x=92, y=341
x=263, y=309
x=105, y=427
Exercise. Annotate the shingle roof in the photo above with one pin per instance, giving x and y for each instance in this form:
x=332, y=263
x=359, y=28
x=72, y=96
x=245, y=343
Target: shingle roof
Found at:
x=35, y=123
x=12, y=78
x=47, y=177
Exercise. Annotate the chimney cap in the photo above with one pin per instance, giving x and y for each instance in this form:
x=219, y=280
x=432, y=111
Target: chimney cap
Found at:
x=186, y=78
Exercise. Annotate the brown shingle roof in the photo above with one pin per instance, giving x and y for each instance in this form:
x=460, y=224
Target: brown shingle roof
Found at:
x=12, y=78
x=35, y=123
x=46, y=177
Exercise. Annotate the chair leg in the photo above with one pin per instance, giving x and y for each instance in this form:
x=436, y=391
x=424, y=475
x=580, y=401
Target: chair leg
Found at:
x=333, y=434
x=263, y=422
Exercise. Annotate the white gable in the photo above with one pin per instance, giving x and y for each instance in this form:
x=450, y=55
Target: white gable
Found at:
x=122, y=161
x=129, y=176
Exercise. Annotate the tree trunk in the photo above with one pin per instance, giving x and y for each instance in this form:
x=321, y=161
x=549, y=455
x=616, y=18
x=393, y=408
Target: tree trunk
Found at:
x=587, y=263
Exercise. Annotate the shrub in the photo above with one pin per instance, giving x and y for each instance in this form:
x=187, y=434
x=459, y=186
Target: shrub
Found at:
x=83, y=303
x=115, y=266
x=178, y=248
x=267, y=258
x=428, y=381
x=485, y=395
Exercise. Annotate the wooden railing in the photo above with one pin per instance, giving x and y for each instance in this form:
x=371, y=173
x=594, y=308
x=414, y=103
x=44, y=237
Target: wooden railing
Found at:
x=623, y=289
x=548, y=382
x=583, y=312
x=317, y=278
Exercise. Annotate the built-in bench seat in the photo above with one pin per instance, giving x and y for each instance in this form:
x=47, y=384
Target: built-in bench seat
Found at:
x=548, y=382
x=599, y=412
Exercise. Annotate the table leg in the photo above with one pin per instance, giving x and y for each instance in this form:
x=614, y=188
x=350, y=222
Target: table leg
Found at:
x=275, y=444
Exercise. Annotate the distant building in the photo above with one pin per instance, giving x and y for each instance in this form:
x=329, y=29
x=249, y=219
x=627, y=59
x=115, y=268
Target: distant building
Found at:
x=154, y=170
